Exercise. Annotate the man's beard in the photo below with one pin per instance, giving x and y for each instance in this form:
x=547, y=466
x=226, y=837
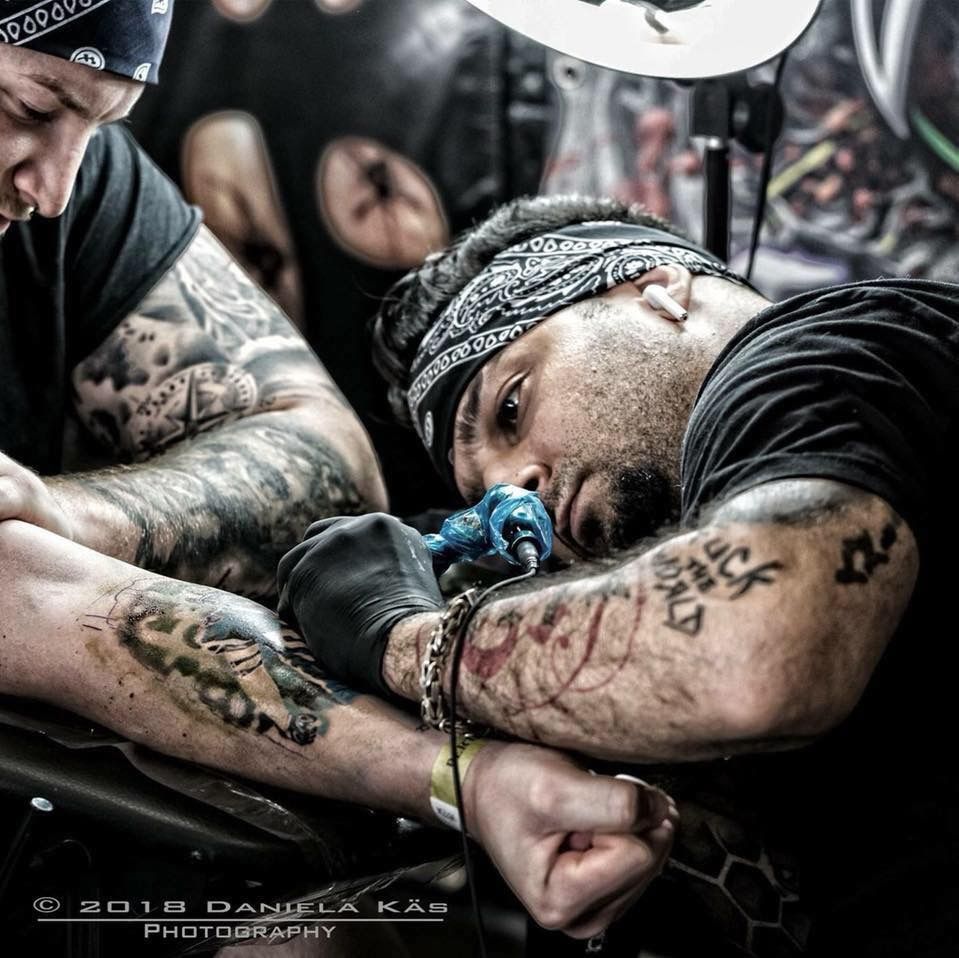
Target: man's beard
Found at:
x=642, y=503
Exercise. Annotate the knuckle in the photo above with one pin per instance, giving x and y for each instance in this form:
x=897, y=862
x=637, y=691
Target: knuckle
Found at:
x=338, y=532
x=12, y=490
x=21, y=482
x=550, y=917
x=646, y=860
x=567, y=904
x=379, y=521
x=543, y=800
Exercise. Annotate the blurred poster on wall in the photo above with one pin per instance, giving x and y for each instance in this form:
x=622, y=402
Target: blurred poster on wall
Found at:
x=866, y=174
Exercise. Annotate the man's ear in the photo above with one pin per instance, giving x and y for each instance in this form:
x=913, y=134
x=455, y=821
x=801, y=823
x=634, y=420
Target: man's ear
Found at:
x=676, y=280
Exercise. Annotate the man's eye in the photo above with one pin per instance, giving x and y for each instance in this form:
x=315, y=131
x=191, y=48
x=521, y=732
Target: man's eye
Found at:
x=508, y=413
x=29, y=114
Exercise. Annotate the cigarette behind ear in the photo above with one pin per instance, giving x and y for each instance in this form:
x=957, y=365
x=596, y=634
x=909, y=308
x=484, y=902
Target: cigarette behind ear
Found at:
x=658, y=298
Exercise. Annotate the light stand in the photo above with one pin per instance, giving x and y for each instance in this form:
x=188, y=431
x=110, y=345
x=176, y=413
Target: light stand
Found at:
x=723, y=110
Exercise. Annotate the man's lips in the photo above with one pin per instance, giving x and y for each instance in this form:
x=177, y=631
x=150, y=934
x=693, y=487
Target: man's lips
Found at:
x=566, y=517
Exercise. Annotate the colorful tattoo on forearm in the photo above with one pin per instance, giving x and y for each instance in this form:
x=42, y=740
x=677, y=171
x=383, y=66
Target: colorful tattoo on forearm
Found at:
x=231, y=658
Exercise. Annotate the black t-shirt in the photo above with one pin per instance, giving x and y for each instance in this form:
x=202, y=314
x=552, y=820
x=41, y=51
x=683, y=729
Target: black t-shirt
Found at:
x=66, y=283
x=860, y=384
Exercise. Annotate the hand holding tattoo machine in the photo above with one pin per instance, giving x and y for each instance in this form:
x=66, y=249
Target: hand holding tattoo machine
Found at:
x=508, y=521
x=353, y=578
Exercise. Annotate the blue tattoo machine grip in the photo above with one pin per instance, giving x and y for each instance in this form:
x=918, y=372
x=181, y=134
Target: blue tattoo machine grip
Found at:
x=508, y=521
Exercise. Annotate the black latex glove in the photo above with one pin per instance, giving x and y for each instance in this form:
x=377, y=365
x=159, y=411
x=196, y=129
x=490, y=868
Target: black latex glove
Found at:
x=347, y=584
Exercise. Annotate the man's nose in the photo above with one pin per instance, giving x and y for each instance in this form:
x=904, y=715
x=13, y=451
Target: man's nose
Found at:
x=531, y=475
x=45, y=180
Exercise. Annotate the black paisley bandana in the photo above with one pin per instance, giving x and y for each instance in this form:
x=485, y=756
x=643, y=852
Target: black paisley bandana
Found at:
x=522, y=286
x=123, y=36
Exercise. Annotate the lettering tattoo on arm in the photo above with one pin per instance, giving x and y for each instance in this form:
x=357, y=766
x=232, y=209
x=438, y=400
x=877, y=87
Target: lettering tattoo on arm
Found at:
x=209, y=382
x=569, y=660
x=220, y=656
x=722, y=571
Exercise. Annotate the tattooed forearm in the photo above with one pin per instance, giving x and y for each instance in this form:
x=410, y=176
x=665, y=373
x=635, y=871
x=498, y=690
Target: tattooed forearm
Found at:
x=583, y=665
x=782, y=651
x=223, y=655
x=243, y=438
x=198, y=674
x=224, y=509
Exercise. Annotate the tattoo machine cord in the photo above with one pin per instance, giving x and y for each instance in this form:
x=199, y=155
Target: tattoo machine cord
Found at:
x=512, y=523
x=528, y=554
x=767, y=166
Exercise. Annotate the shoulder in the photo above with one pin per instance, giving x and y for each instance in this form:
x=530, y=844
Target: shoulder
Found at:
x=117, y=175
x=898, y=325
x=124, y=229
x=853, y=383
x=876, y=309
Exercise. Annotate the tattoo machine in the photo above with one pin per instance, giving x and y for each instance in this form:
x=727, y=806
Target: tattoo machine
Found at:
x=508, y=521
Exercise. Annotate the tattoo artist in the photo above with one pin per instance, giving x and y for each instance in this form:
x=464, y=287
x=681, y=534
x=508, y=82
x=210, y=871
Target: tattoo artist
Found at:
x=582, y=349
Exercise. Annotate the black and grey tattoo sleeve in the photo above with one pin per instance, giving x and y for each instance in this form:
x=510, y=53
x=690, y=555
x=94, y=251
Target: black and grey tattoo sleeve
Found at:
x=228, y=413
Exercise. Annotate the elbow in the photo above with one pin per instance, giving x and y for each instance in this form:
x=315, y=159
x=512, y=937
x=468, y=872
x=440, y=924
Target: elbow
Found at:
x=791, y=703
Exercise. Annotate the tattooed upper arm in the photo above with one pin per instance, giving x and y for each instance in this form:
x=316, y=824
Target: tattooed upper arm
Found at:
x=839, y=566
x=205, y=347
x=862, y=531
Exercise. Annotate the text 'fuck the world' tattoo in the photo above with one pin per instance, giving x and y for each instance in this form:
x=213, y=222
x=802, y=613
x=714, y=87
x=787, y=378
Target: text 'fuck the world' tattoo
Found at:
x=231, y=657
x=722, y=570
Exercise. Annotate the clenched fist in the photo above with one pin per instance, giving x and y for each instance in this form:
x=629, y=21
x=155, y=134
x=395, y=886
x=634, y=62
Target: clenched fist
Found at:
x=577, y=849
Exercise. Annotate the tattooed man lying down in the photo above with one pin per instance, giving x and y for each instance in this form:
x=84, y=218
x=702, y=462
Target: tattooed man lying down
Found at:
x=807, y=450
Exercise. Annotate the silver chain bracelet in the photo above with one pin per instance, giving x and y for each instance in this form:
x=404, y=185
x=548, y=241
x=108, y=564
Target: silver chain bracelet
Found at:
x=433, y=706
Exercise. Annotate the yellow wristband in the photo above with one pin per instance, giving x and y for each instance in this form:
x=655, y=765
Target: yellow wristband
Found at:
x=442, y=789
